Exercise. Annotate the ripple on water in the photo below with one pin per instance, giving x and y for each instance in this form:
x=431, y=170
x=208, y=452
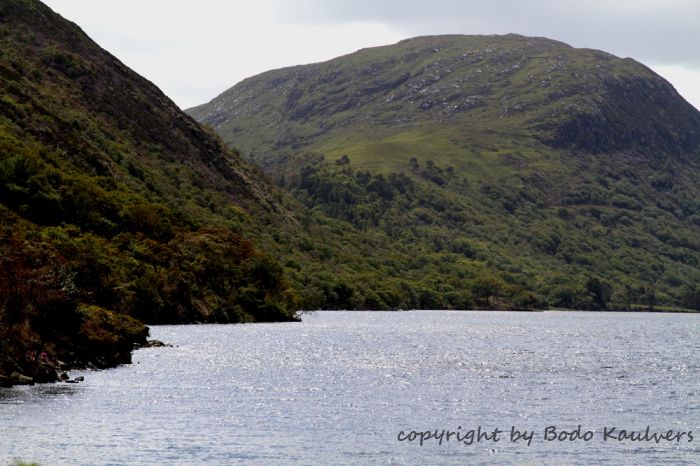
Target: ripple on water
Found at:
x=338, y=387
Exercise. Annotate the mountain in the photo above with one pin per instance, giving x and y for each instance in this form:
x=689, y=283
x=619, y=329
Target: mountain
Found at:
x=515, y=172
x=115, y=207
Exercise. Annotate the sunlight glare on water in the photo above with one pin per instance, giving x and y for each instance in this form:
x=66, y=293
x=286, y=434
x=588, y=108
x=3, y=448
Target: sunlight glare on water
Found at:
x=339, y=387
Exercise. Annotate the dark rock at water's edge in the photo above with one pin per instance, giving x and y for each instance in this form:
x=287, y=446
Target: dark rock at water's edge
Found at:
x=152, y=344
x=76, y=380
x=46, y=373
x=20, y=379
x=44, y=370
x=44, y=359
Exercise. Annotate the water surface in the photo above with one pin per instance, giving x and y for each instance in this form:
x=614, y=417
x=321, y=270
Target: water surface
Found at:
x=340, y=386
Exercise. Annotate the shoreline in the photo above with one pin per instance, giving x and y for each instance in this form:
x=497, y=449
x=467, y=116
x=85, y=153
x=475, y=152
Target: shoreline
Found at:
x=49, y=372
x=606, y=311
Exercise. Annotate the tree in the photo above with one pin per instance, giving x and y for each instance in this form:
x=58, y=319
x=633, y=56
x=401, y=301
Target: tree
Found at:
x=599, y=293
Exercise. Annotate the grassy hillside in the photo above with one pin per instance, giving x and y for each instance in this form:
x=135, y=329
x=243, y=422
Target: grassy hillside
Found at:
x=115, y=207
x=510, y=171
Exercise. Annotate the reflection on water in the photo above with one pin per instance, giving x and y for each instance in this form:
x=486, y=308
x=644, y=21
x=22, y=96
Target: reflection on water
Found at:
x=340, y=386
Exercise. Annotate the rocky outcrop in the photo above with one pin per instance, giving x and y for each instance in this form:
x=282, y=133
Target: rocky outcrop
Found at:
x=633, y=114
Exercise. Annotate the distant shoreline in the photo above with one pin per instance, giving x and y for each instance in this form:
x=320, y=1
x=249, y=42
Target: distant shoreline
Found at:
x=661, y=310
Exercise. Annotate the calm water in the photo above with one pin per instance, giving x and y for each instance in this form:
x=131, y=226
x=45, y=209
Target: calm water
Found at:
x=339, y=387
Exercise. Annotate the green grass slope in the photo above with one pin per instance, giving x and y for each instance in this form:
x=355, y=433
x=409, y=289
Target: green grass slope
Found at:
x=511, y=171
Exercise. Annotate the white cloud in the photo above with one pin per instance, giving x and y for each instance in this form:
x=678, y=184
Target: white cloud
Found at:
x=194, y=51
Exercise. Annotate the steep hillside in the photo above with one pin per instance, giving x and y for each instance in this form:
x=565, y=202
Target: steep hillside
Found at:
x=114, y=205
x=515, y=171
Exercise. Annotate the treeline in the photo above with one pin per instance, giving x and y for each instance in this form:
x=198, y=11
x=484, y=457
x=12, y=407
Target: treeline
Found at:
x=441, y=249
x=139, y=257
x=115, y=207
x=83, y=265
x=419, y=263
x=81, y=298
x=42, y=320
x=486, y=290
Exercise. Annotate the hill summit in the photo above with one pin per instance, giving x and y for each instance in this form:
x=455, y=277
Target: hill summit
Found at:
x=531, y=87
x=569, y=177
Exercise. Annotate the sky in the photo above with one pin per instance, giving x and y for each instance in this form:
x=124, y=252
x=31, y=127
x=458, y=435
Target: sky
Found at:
x=195, y=50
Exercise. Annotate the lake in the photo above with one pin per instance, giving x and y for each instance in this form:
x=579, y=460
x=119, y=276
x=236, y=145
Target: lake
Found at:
x=344, y=387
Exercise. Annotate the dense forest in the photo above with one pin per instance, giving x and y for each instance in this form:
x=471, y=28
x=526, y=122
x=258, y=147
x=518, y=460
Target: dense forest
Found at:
x=115, y=207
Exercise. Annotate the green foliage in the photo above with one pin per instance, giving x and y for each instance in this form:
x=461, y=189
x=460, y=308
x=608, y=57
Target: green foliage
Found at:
x=115, y=208
x=493, y=172
x=39, y=311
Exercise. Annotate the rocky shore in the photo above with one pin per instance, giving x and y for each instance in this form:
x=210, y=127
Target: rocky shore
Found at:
x=41, y=369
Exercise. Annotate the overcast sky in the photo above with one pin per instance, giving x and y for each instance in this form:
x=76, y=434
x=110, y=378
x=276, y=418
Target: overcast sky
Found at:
x=194, y=50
